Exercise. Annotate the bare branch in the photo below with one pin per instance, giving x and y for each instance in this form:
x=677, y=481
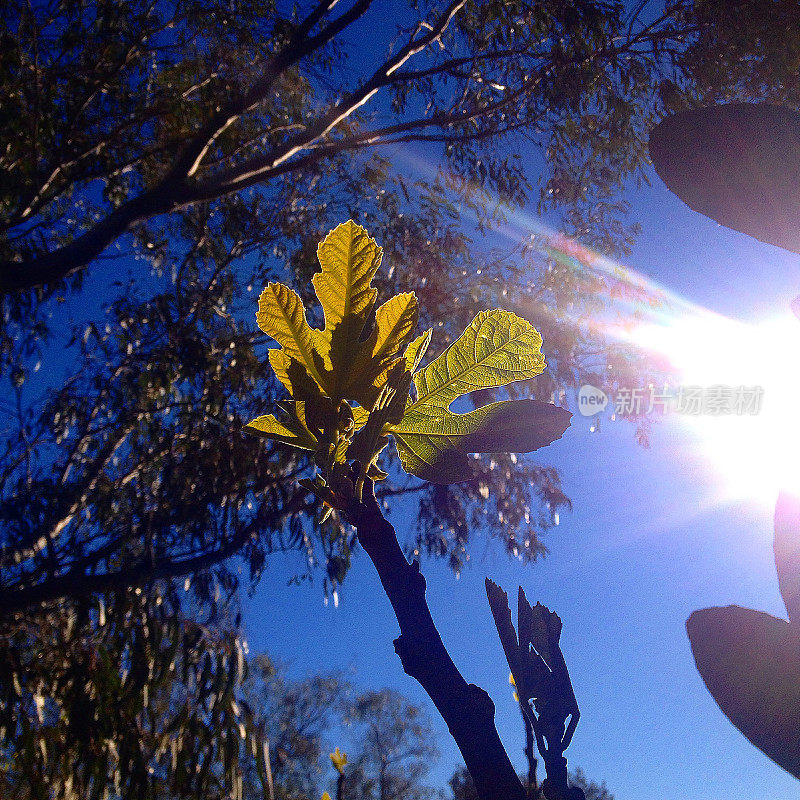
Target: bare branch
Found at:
x=466, y=708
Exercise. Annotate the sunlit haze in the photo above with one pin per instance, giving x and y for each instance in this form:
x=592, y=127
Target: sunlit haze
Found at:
x=755, y=452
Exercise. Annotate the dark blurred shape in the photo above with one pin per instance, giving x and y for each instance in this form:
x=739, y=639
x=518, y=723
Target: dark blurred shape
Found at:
x=543, y=684
x=738, y=164
x=750, y=661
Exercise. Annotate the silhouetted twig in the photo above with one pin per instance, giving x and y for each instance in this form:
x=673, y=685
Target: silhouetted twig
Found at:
x=543, y=684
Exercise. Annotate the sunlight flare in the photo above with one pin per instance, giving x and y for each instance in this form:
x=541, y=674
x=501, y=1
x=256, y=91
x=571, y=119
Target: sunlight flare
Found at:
x=756, y=453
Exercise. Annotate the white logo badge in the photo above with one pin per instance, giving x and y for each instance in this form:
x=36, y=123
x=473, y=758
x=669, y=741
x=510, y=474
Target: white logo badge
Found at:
x=591, y=400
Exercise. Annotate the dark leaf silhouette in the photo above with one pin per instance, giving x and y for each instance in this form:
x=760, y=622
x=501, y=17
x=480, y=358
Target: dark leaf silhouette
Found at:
x=750, y=660
x=748, y=155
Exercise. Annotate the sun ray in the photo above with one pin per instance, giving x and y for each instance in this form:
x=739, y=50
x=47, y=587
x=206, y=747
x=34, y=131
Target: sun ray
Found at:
x=755, y=455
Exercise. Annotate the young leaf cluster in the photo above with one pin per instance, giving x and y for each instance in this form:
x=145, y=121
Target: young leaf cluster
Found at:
x=358, y=380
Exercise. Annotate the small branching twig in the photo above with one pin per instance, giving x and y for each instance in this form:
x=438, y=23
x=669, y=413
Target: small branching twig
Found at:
x=543, y=684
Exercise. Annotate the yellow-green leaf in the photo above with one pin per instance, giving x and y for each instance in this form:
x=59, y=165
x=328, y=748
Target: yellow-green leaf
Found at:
x=349, y=259
x=293, y=375
x=395, y=322
x=296, y=429
x=415, y=351
x=339, y=760
x=389, y=407
x=281, y=315
x=348, y=367
x=360, y=416
x=435, y=448
x=498, y=347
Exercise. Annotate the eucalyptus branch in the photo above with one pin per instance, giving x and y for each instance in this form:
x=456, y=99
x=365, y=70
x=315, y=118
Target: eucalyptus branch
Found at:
x=79, y=584
x=171, y=191
x=256, y=169
x=262, y=168
x=35, y=541
x=300, y=46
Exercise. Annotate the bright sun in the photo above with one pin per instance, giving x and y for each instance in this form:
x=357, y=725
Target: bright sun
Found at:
x=757, y=454
x=754, y=455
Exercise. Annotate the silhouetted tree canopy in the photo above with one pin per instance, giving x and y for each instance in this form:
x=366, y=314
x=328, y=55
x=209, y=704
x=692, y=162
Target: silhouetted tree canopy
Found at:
x=298, y=718
x=462, y=786
x=119, y=113
x=397, y=748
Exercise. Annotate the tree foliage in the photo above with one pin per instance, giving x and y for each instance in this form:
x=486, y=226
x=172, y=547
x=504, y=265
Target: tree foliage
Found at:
x=163, y=106
x=191, y=715
x=388, y=742
x=135, y=470
x=124, y=697
x=297, y=717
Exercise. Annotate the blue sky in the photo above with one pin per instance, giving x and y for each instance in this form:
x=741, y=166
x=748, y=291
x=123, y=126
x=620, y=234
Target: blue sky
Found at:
x=655, y=533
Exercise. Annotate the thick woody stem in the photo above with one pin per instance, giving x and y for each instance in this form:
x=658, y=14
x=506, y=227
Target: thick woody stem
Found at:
x=466, y=708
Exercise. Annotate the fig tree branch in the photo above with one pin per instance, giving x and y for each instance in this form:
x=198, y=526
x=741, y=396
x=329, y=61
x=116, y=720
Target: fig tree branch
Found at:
x=466, y=708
